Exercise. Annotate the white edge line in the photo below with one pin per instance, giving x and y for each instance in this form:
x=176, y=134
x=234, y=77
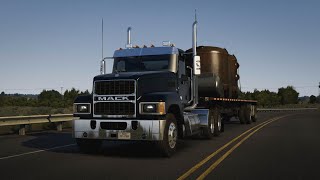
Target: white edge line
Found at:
x=33, y=152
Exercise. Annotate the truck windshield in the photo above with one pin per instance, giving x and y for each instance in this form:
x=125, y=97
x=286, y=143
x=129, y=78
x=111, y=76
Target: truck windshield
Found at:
x=141, y=63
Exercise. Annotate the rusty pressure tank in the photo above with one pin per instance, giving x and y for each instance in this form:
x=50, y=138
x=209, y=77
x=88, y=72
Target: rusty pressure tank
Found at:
x=219, y=77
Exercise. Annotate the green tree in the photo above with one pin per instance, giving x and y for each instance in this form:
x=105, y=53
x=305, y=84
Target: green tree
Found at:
x=70, y=96
x=266, y=98
x=51, y=98
x=312, y=99
x=288, y=95
x=86, y=92
x=2, y=100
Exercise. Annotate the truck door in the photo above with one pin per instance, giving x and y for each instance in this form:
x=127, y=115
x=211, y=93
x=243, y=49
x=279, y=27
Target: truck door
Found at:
x=183, y=82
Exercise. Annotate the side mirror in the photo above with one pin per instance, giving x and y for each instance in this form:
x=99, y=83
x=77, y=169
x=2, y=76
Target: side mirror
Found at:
x=196, y=65
x=103, y=67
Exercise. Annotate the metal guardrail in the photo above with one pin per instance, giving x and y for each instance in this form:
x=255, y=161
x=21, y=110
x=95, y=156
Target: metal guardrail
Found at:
x=58, y=119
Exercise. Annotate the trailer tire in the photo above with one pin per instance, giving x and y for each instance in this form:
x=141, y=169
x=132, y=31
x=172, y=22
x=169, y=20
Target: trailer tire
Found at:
x=241, y=115
x=89, y=145
x=168, y=145
x=217, y=122
x=248, y=115
x=224, y=120
x=254, y=117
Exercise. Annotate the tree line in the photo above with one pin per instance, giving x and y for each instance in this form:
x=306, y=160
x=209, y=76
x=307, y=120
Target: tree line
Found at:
x=47, y=98
x=284, y=96
x=54, y=99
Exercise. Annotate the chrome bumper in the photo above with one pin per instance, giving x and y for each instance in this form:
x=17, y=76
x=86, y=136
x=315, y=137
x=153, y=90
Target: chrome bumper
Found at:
x=151, y=130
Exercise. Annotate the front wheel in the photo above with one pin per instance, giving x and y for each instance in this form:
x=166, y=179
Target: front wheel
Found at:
x=168, y=145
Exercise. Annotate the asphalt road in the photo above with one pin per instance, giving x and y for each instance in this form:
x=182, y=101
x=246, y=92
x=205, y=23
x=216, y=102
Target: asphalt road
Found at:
x=278, y=146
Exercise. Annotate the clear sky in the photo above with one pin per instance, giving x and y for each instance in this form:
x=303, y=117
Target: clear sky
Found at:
x=52, y=44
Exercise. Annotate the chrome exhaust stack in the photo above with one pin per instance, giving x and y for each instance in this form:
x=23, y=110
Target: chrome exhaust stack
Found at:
x=129, y=45
x=196, y=67
x=194, y=38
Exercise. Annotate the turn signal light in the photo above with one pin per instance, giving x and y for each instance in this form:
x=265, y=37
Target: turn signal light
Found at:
x=161, y=108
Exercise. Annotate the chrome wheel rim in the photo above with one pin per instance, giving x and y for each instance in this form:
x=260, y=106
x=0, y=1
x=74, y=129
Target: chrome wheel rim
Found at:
x=212, y=125
x=172, y=135
x=219, y=123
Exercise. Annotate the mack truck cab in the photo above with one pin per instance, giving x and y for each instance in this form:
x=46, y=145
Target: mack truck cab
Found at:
x=151, y=95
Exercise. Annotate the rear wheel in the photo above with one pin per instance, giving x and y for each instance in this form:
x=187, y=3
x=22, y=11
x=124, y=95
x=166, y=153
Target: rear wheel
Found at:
x=254, y=116
x=248, y=114
x=214, y=124
x=241, y=115
x=224, y=119
x=218, y=124
x=89, y=145
x=170, y=136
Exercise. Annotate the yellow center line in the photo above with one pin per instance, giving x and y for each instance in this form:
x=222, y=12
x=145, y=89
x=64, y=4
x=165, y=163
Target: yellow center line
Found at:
x=216, y=163
x=197, y=166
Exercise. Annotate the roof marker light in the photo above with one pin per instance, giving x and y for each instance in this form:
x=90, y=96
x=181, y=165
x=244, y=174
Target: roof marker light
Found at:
x=166, y=43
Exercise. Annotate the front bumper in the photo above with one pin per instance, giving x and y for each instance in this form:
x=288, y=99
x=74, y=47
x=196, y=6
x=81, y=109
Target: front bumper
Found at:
x=151, y=130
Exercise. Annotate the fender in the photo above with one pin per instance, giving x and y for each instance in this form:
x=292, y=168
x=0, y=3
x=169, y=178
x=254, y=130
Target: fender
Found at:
x=169, y=98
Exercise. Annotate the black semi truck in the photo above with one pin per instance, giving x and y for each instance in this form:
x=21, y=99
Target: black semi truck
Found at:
x=161, y=94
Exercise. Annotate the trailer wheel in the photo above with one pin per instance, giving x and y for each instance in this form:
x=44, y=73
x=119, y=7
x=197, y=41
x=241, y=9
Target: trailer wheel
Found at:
x=248, y=115
x=254, y=116
x=217, y=122
x=224, y=120
x=241, y=115
x=89, y=145
x=170, y=137
x=214, y=124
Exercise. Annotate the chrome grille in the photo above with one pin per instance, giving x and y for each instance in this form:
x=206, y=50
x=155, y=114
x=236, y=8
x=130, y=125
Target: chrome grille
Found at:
x=114, y=108
x=114, y=87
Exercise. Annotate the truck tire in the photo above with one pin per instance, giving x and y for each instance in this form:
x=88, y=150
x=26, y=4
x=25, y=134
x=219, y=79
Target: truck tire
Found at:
x=89, y=145
x=241, y=115
x=248, y=115
x=254, y=117
x=224, y=119
x=168, y=145
x=214, y=124
x=217, y=122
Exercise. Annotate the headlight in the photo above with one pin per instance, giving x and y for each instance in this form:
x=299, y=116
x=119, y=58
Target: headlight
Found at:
x=155, y=108
x=82, y=108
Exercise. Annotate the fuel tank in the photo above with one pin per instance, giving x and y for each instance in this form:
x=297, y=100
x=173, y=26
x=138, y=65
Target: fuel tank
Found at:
x=219, y=77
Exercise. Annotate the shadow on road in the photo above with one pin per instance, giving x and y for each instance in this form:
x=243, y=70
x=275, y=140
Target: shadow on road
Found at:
x=48, y=141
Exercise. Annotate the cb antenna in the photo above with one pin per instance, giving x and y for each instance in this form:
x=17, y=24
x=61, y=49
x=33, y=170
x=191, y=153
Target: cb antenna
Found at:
x=102, y=38
x=195, y=15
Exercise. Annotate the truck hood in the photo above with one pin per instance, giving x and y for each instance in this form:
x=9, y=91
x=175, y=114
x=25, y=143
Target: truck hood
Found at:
x=134, y=75
x=147, y=82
